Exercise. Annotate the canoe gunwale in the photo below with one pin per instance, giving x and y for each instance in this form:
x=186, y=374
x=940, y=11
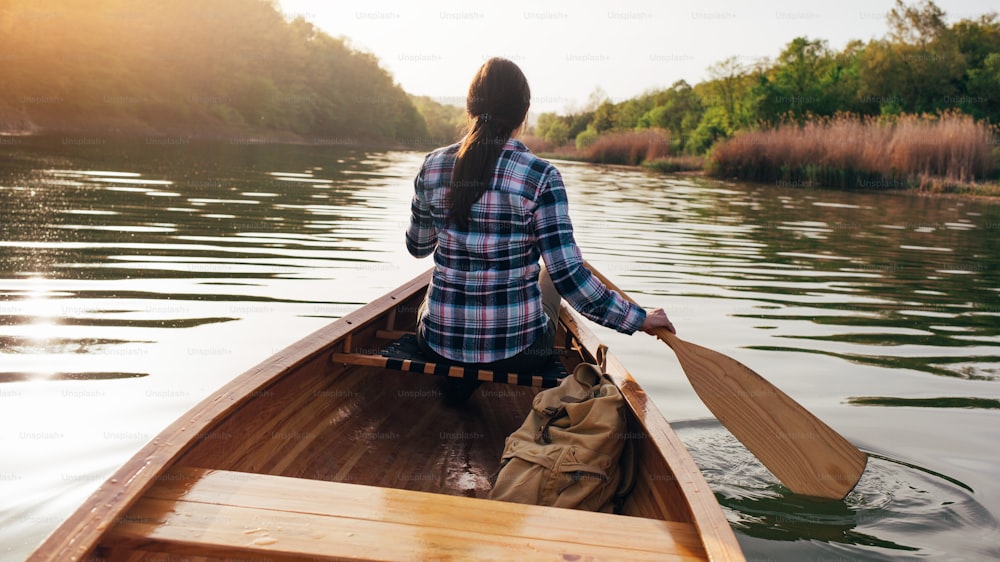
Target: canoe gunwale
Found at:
x=703, y=507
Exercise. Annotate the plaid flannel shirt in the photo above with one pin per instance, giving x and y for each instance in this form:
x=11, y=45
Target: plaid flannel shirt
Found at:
x=484, y=303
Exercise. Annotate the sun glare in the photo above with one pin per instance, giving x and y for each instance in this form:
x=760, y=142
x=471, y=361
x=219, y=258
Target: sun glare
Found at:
x=42, y=309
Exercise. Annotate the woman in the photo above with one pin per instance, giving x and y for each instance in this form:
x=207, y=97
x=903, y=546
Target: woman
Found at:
x=488, y=209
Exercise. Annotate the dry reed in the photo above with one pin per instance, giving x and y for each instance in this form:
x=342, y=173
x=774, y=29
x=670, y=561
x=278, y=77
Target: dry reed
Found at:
x=676, y=164
x=628, y=147
x=848, y=151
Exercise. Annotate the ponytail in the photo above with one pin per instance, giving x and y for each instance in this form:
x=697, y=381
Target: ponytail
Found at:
x=496, y=105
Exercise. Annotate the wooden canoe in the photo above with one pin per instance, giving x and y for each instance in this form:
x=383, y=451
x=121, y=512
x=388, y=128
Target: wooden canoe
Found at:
x=307, y=456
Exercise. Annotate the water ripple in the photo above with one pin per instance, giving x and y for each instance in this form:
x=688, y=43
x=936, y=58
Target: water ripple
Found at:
x=897, y=508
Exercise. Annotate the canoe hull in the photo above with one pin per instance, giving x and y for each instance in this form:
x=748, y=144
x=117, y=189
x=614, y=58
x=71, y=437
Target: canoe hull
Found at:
x=300, y=415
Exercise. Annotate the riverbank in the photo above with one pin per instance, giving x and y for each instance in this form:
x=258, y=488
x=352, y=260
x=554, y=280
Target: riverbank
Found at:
x=699, y=166
x=106, y=134
x=648, y=148
x=951, y=153
x=719, y=164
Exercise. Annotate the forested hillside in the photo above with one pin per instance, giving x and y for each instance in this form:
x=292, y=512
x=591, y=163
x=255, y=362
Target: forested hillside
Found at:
x=191, y=67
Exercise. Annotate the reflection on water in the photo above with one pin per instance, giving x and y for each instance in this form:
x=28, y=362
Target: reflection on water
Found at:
x=942, y=402
x=136, y=279
x=96, y=261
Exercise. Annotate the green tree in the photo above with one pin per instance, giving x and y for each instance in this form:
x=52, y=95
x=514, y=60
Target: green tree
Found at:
x=557, y=133
x=677, y=109
x=982, y=97
x=979, y=42
x=578, y=122
x=604, y=117
x=804, y=81
x=918, y=77
x=559, y=129
x=628, y=113
x=712, y=127
x=544, y=123
x=845, y=90
x=586, y=138
x=730, y=101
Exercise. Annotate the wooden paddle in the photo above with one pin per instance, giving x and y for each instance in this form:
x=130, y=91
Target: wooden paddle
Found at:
x=804, y=453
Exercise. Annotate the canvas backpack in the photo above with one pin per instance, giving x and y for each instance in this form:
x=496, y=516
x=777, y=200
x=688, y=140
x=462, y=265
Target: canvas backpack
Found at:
x=569, y=450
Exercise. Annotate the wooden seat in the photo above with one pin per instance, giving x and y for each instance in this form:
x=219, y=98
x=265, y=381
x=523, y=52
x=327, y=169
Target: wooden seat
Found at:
x=236, y=514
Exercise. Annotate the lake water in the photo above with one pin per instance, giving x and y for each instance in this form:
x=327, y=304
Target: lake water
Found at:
x=136, y=278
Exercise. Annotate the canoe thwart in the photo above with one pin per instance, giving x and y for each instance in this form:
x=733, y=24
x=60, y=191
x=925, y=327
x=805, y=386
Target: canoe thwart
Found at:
x=403, y=354
x=236, y=514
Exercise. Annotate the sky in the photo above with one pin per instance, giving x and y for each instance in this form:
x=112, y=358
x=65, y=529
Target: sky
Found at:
x=573, y=51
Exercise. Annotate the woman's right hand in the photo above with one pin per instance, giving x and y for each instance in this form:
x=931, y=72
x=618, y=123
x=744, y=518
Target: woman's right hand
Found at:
x=657, y=319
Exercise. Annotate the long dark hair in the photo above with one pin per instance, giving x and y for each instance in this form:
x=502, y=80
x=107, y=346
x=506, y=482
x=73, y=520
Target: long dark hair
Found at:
x=496, y=105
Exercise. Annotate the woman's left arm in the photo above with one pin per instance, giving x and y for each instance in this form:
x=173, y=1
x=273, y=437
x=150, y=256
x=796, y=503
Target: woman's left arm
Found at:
x=421, y=236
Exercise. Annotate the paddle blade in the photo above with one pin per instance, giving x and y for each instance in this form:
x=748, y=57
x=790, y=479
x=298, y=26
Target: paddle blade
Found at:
x=804, y=453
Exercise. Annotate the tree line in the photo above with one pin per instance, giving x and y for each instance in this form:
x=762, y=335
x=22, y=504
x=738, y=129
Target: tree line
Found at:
x=184, y=67
x=922, y=66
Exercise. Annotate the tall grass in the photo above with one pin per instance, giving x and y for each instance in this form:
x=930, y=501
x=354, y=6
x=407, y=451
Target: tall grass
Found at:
x=672, y=164
x=628, y=147
x=538, y=145
x=849, y=151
